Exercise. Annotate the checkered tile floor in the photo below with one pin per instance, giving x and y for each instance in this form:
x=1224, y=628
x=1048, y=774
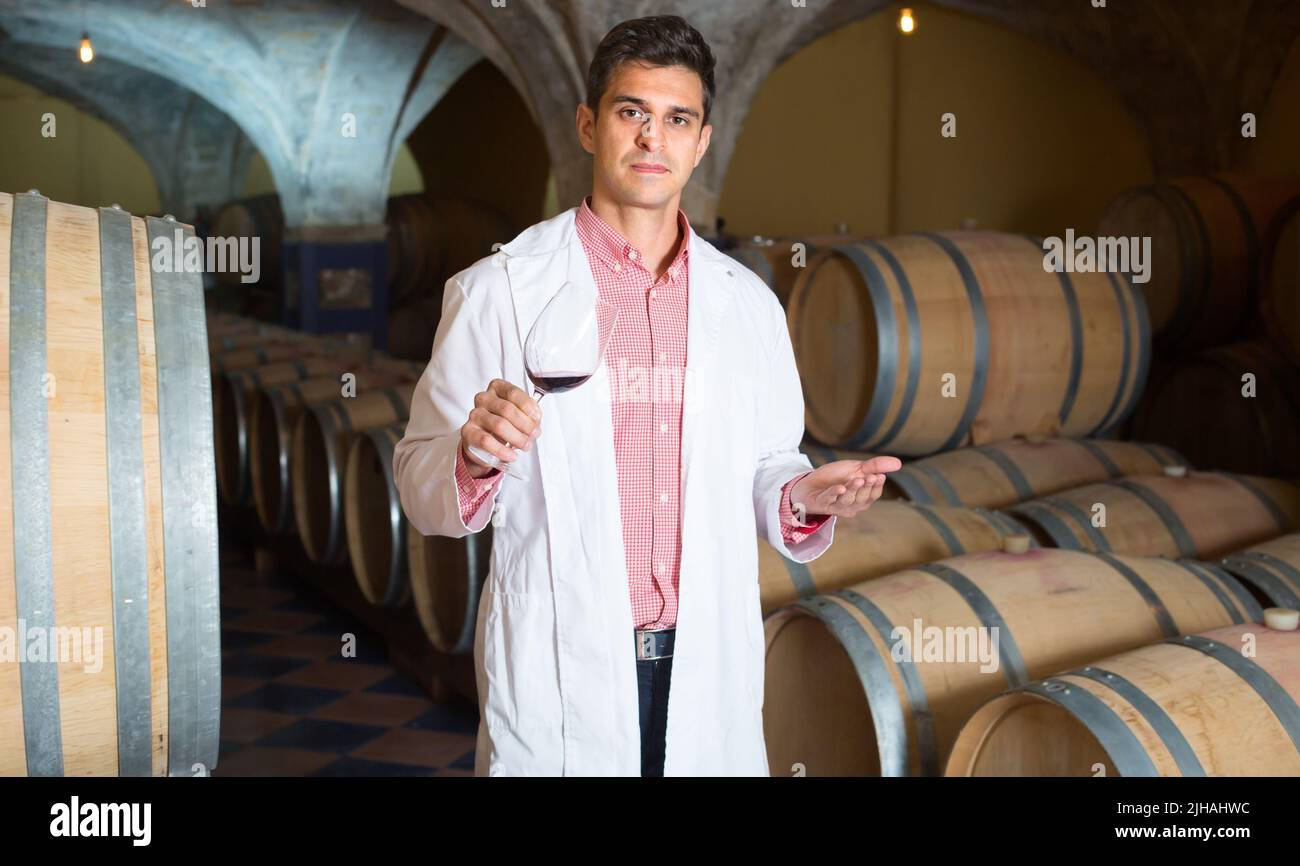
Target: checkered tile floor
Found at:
x=292, y=705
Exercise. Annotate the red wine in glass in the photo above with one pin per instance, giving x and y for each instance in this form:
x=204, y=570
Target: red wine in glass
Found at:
x=558, y=382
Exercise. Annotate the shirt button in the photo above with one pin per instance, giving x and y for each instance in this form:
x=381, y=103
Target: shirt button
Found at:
x=618, y=268
x=663, y=497
x=660, y=568
x=652, y=294
x=663, y=357
x=663, y=428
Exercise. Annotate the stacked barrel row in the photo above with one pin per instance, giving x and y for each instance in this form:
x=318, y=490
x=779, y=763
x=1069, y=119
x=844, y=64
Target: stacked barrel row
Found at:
x=304, y=430
x=861, y=675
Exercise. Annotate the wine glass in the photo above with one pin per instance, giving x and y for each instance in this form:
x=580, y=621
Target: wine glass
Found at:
x=564, y=349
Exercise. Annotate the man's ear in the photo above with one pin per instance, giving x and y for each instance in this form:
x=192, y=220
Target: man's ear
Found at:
x=706, y=135
x=586, y=125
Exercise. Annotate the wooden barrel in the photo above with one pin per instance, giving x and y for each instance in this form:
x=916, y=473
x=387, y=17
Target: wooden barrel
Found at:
x=924, y=343
x=1189, y=706
x=886, y=537
x=1014, y=470
x=108, y=541
x=878, y=678
x=232, y=410
x=1202, y=514
x=1205, y=248
x=373, y=517
x=430, y=238
x=274, y=415
x=446, y=576
x=779, y=261
x=321, y=438
x=1270, y=569
x=258, y=217
x=1199, y=405
x=1279, y=301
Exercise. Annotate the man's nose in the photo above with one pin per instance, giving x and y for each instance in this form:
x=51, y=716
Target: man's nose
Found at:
x=649, y=133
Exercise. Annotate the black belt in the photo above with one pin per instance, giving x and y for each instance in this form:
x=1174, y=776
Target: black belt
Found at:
x=654, y=643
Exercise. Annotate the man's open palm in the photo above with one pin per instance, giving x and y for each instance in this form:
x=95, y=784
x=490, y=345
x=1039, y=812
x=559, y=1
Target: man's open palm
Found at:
x=842, y=488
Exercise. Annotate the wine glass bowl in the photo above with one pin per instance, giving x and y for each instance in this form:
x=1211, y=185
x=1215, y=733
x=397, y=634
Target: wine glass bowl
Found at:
x=564, y=349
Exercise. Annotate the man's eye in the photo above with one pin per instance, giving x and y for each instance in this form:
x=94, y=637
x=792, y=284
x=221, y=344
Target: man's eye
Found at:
x=626, y=110
x=683, y=120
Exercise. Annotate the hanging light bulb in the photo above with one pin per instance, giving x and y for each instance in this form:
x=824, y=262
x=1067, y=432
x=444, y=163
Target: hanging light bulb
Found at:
x=906, y=20
x=87, y=52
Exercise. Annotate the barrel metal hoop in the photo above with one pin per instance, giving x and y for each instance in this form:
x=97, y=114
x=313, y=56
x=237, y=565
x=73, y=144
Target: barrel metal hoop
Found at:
x=979, y=335
x=1172, y=738
x=189, y=518
x=1274, y=510
x=1013, y=663
x=1153, y=601
x=1017, y=478
x=914, y=689
x=1098, y=454
x=126, y=498
x=1080, y=517
x=1182, y=538
x=882, y=393
x=1282, y=705
x=1125, y=368
x=1120, y=744
x=883, y=702
x=940, y=526
x=1268, y=583
x=1207, y=574
x=29, y=448
x=1076, y=338
x=1058, y=533
x=914, y=340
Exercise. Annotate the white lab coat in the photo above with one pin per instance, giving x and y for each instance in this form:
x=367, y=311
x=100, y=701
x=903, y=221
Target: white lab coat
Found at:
x=553, y=648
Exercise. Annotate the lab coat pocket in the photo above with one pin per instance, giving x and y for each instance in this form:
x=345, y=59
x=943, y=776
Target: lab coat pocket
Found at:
x=523, y=691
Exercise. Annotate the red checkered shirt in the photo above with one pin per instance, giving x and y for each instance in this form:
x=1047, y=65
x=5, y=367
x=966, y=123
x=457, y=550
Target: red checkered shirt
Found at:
x=649, y=332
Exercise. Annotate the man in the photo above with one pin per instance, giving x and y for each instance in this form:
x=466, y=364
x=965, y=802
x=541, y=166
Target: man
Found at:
x=631, y=547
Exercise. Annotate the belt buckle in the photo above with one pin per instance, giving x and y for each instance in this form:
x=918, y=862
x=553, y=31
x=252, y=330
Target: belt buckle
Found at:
x=645, y=642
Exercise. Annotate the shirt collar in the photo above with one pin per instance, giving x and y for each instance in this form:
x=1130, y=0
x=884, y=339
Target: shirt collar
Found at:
x=613, y=250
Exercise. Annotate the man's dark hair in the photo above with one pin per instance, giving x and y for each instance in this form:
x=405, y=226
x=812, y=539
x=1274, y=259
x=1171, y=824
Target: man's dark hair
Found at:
x=657, y=41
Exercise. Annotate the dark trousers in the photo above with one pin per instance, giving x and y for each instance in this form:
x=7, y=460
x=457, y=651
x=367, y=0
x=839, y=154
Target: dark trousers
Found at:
x=652, y=676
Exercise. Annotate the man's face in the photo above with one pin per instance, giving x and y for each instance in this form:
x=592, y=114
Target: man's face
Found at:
x=649, y=119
